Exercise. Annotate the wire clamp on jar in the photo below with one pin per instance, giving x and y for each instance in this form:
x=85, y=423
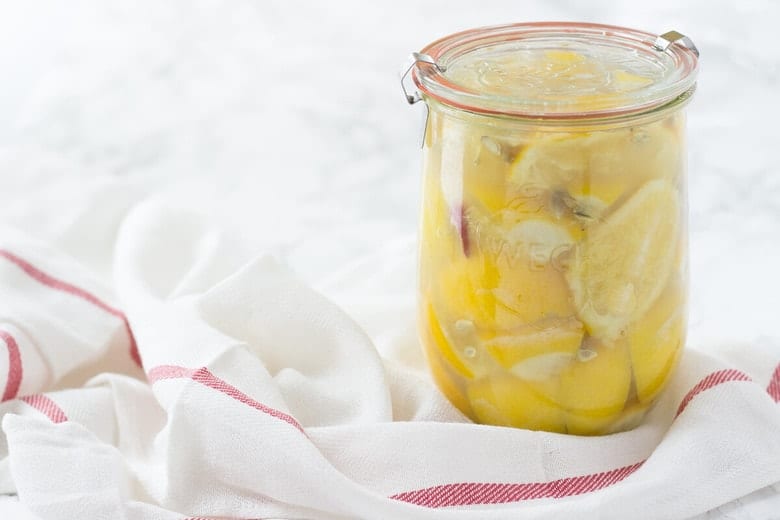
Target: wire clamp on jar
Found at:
x=414, y=59
x=666, y=39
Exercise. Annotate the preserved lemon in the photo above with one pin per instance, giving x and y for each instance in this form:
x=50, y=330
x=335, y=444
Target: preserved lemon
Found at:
x=559, y=339
x=595, y=387
x=505, y=400
x=586, y=167
x=442, y=360
x=622, y=266
x=564, y=311
x=656, y=340
x=553, y=254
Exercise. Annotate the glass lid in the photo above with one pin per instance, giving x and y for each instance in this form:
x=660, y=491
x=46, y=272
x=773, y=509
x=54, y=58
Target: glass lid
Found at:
x=557, y=70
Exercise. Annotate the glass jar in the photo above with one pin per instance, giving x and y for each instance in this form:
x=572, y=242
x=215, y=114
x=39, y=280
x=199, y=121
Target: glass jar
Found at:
x=553, y=253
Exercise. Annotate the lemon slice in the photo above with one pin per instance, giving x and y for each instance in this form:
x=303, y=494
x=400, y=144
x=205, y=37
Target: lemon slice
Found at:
x=525, y=296
x=487, y=161
x=536, y=351
x=629, y=419
x=440, y=357
x=439, y=341
x=628, y=81
x=433, y=211
x=474, y=160
x=448, y=385
x=463, y=291
x=530, y=285
x=561, y=57
x=622, y=266
x=594, y=389
x=656, y=340
x=503, y=400
x=542, y=367
x=511, y=278
x=598, y=168
x=439, y=240
x=562, y=162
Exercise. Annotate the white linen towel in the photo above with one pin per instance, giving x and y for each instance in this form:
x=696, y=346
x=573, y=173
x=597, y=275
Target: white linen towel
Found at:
x=195, y=381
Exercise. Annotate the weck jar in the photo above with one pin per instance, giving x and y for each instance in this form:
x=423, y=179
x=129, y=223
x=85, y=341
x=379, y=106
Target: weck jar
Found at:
x=553, y=263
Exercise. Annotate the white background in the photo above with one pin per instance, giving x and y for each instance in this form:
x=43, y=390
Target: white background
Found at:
x=285, y=119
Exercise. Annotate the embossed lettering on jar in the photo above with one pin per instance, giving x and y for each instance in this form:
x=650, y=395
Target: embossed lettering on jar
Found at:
x=553, y=263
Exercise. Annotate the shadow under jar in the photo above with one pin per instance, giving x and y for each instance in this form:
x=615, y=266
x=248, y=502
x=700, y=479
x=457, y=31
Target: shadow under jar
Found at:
x=553, y=241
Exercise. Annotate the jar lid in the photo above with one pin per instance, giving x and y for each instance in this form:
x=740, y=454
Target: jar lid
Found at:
x=556, y=70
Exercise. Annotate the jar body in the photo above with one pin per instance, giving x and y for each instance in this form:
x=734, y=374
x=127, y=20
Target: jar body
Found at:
x=553, y=266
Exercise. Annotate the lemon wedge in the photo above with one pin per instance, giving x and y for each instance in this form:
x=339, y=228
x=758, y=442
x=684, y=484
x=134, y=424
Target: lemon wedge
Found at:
x=487, y=160
x=504, y=400
x=595, y=387
x=562, y=163
x=511, y=278
x=463, y=290
x=563, y=57
x=439, y=356
x=530, y=284
x=656, y=341
x=535, y=351
x=598, y=168
x=438, y=340
x=630, y=418
x=623, y=264
x=439, y=240
x=628, y=81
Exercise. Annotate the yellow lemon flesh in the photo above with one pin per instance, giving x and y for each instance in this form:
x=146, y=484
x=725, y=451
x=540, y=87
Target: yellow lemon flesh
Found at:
x=656, y=341
x=630, y=418
x=510, y=278
x=485, y=172
x=441, y=369
x=437, y=237
x=504, y=400
x=623, y=264
x=596, y=169
x=530, y=286
x=557, y=340
x=462, y=291
x=595, y=387
x=439, y=340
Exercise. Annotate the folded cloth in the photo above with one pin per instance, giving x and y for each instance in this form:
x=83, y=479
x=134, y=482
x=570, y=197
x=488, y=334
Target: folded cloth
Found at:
x=199, y=382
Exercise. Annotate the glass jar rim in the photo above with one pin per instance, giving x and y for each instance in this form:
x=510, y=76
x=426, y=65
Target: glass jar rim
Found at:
x=680, y=61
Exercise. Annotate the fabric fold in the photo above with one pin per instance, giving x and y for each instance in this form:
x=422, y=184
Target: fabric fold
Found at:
x=261, y=398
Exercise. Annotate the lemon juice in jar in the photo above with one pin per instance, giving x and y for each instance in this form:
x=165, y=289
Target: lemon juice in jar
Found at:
x=553, y=252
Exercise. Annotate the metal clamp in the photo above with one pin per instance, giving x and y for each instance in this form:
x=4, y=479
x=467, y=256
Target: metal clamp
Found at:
x=416, y=57
x=666, y=39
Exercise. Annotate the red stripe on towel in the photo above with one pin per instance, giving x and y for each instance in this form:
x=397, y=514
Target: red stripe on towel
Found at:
x=774, y=385
x=473, y=493
x=714, y=379
x=63, y=286
x=469, y=493
x=485, y=493
x=206, y=378
x=46, y=406
x=14, y=366
x=168, y=372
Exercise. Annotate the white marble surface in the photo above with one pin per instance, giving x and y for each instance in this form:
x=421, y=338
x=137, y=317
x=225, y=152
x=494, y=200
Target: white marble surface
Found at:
x=286, y=119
